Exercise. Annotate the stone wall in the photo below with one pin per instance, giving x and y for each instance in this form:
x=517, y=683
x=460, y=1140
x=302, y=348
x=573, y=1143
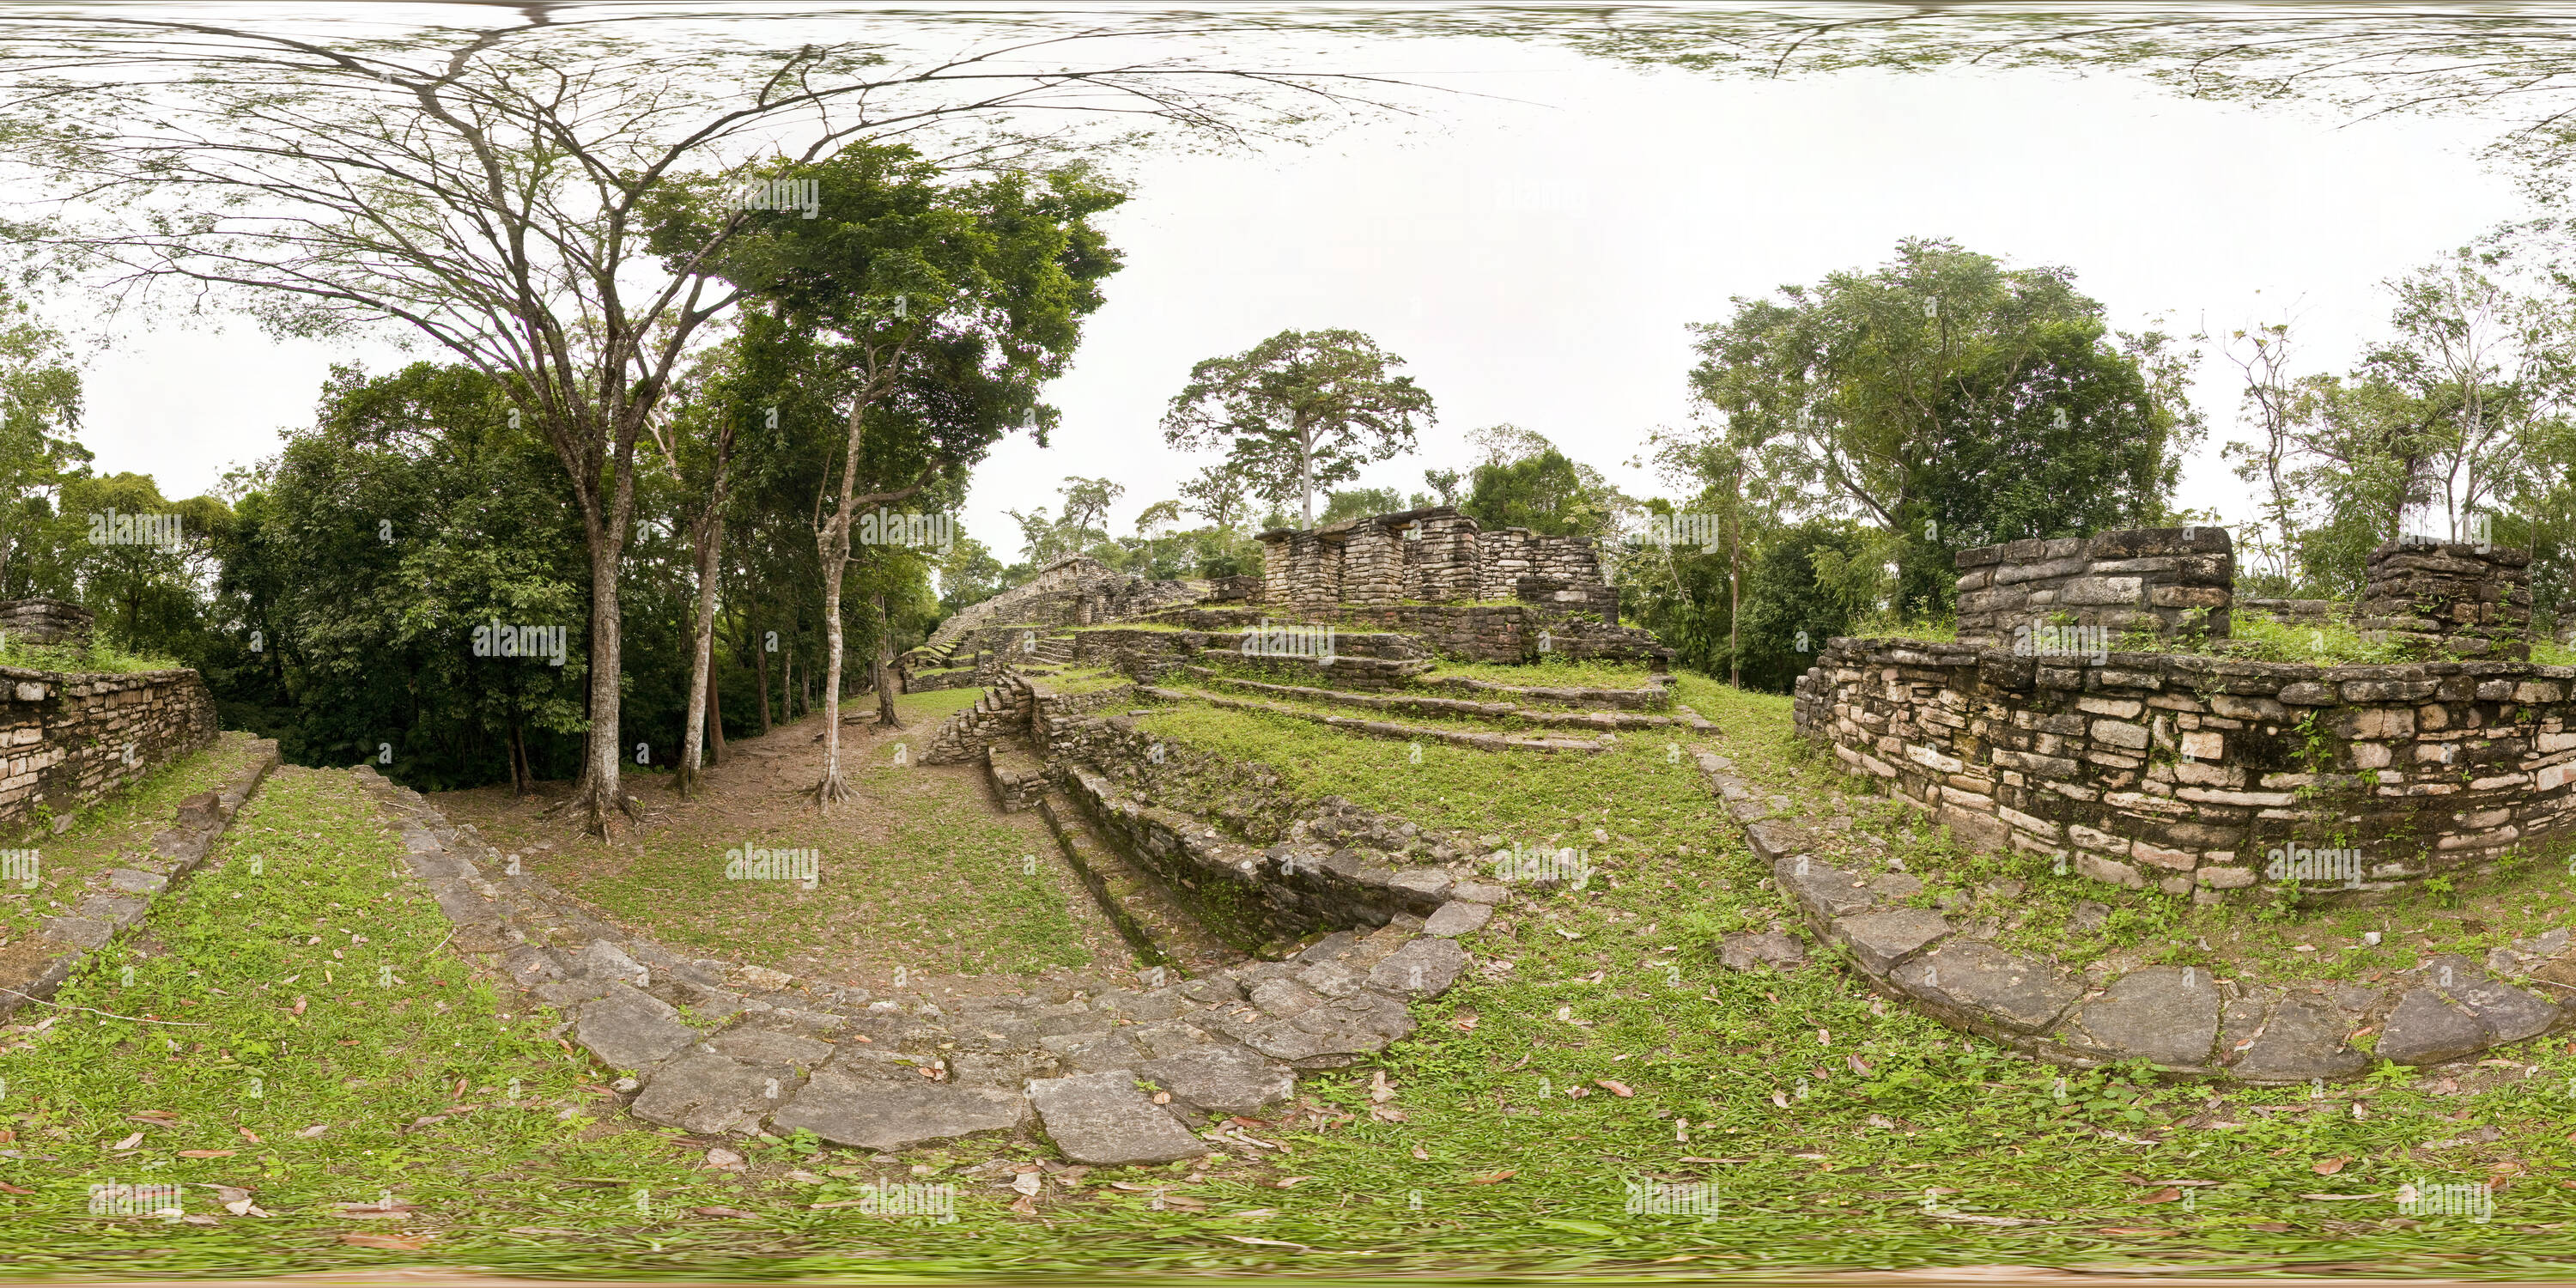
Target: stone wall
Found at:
x=2166, y=580
x=1075, y=591
x=2450, y=597
x=1433, y=556
x=72, y=739
x=45, y=621
x=1508, y=633
x=2184, y=771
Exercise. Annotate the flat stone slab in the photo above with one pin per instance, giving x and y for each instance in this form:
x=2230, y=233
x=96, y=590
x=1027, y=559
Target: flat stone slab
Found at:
x=2426, y=1029
x=1976, y=978
x=2302, y=1039
x=1824, y=890
x=767, y=1046
x=891, y=1114
x=1221, y=1078
x=1744, y=951
x=1457, y=917
x=627, y=1029
x=2162, y=1014
x=1882, y=939
x=2507, y=1012
x=1423, y=968
x=604, y=960
x=129, y=881
x=709, y=1094
x=1105, y=1120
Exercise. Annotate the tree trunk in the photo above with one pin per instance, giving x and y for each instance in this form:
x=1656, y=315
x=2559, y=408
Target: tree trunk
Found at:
x=1734, y=584
x=835, y=548
x=710, y=542
x=715, y=718
x=884, y=666
x=598, y=792
x=760, y=665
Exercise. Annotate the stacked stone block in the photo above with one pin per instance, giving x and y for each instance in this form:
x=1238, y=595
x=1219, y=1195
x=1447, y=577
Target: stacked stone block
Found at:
x=2184, y=771
x=2168, y=581
x=1430, y=556
x=45, y=621
x=2449, y=597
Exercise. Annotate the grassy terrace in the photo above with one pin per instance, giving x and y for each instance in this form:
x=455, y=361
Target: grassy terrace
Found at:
x=85, y=658
x=103, y=835
x=1598, y=1045
x=2255, y=637
x=921, y=873
x=1634, y=801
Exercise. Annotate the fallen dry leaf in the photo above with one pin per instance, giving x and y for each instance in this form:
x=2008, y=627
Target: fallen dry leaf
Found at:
x=387, y=1242
x=1421, y=1153
x=206, y=1153
x=299, y=1004
x=2329, y=1167
x=2166, y=1195
x=129, y=1142
x=735, y=1213
x=1285, y=1183
x=1616, y=1088
x=1496, y=1178
x=314, y=1130
x=248, y=1135
x=7, y=1188
x=1464, y=1024
x=1824, y=1037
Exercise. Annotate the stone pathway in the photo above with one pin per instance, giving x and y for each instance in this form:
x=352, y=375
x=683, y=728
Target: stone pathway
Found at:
x=32, y=971
x=2181, y=1019
x=713, y=1047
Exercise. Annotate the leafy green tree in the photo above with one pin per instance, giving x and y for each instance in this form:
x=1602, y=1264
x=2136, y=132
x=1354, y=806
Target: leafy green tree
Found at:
x=1950, y=401
x=1361, y=502
x=40, y=406
x=363, y=560
x=1299, y=411
x=940, y=306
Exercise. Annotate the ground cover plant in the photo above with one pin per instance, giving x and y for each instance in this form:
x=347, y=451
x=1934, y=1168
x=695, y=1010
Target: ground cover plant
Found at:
x=99, y=837
x=1598, y=1033
x=928, y=879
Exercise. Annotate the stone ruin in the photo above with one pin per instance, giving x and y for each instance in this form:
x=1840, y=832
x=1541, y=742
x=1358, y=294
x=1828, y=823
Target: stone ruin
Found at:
x=46, y=621
x=2187, y=770
x=1432, y=556
x=1433, y=575
x=2163, y=581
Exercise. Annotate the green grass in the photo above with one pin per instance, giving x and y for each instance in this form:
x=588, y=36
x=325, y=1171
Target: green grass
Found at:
x=1086, y=681
x=1550, y=671
x=1831, y=1118
x=80, y=658
x=103, y=835
x=1645, y=798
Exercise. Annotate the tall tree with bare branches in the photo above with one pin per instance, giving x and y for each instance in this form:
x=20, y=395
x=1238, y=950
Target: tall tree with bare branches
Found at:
x=489, y=190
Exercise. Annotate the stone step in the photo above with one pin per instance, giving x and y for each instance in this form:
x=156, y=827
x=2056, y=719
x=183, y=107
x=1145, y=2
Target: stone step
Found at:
x=1388, y=729
x=1457, y=708
x=1157, y=925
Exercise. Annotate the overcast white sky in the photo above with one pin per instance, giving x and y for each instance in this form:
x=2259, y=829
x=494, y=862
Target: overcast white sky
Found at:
x=1537, y=260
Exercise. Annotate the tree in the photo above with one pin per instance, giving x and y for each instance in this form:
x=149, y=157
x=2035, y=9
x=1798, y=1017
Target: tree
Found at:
x=40, y=406
x=994, y=276
x=1904, y=396
x=1300, y=410
x=1361, y=502
x=1444, y=484
x=489, y=190
x=1217, y=495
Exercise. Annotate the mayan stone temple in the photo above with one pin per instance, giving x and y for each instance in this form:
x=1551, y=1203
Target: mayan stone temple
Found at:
x=2181, y=769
